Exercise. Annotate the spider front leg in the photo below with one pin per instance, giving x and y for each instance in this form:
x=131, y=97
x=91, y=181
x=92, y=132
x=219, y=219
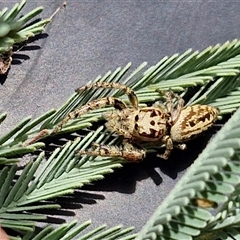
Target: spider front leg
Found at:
x=174, y=112
x=95, y=104
x=127, y=151
x=170, y=106
x=170, y=95
x=130, y=93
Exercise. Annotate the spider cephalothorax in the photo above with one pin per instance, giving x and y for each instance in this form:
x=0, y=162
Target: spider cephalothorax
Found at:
x=158, y=124
x=147, y=124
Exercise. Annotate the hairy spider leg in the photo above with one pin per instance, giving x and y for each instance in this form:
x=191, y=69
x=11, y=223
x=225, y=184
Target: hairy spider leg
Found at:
x=169, y=95
x=95, y=104
x=127, y=151
x=130, y=93
x=169, y=147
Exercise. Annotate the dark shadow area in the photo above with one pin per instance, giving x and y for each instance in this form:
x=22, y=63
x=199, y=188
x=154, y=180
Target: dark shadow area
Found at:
x=68, y=204
x=57, y=219
x=180, y=160
x=17, y=57
x=123, y=179
x=34, y=39
x=3, y=77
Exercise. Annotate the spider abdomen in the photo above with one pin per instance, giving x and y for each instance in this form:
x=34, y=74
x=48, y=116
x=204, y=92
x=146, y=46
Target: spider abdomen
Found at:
x=192, y=121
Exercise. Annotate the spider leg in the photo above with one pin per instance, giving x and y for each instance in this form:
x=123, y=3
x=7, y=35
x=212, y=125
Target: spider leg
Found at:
x=117, y=121
x=175, y=112
x=169, y=147
x=181, y=146
x=170, y=95
x=127, y=151
x=95, y=104
x=131, y=95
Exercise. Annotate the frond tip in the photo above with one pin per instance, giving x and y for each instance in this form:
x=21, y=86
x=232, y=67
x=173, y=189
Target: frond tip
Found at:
x=14, y=29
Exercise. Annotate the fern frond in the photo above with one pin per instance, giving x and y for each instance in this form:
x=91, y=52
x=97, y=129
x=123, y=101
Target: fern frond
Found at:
x=112, y=233
x=73, y=230
x=65, y=171
x=68, y=231
x=12, y=192
x=11, y=143
x=15, y=29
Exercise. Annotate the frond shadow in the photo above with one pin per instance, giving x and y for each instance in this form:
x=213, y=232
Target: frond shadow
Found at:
x=78, y=198
x=69, y=203
x=124, y=180
x=17, y=57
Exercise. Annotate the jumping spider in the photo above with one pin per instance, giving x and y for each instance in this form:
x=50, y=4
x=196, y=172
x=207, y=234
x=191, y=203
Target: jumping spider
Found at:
x=158, y=124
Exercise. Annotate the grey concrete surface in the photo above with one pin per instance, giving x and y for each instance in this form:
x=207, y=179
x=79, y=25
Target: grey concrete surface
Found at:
x=89, y=38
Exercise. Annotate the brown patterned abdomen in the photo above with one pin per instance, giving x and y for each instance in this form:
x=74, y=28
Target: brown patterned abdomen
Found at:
x=192, y=121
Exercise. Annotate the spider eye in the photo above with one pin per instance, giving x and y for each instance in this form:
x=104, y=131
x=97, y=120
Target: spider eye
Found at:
x=154, y=114
x=136, y=118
